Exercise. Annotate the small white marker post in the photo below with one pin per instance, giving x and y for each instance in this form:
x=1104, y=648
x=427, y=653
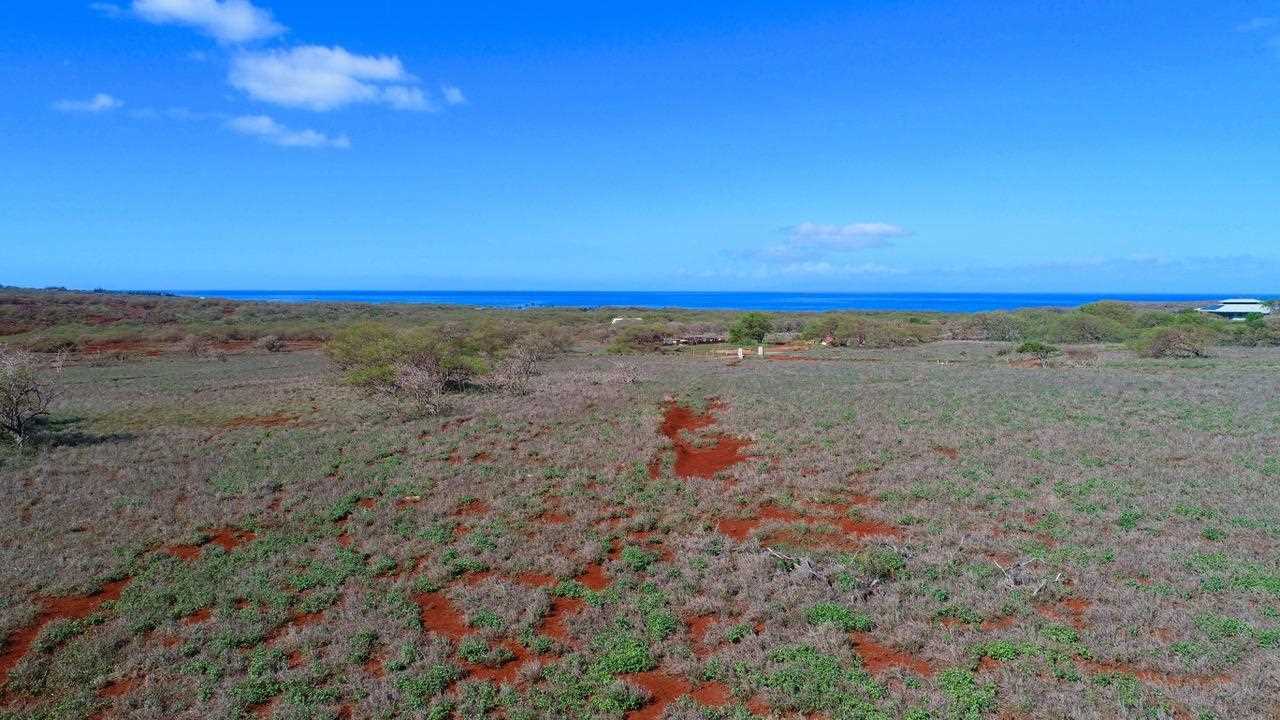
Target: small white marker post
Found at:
x=739, y=353
x=760, y=351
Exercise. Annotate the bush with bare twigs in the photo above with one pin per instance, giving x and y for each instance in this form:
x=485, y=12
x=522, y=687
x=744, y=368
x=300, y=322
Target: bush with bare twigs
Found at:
x=270, y=343
x=25, y=391
x=1173, y=342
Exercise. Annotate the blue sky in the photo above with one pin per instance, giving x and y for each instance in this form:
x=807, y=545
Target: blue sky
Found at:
x=872, y=146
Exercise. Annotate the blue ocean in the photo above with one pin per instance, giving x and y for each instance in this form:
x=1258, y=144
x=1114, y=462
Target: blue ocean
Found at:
x=771, y=301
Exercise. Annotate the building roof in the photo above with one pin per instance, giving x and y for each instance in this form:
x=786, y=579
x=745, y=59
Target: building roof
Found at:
x=1239, y=306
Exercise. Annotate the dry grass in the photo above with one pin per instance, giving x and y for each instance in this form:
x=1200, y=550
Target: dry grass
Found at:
x=929, y=530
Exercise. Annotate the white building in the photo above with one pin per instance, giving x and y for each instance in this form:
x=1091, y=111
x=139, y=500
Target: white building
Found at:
x=1238, y=308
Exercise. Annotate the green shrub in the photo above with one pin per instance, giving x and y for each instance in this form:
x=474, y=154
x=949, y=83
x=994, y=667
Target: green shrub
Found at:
x=1039, y=349
x=840, y=616
x=750, y=328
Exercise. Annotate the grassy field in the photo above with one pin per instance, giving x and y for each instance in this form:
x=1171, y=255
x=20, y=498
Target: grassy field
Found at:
x=926, y=532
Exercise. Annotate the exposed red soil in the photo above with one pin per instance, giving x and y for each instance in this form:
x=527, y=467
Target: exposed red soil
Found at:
x=739, y=529
x=998, y=623
x=297, y=621
x=121, y=346
x=554, y=518
x=949, y=452
x=440, y=616
x=184, y=552
x=698, y=628
x=344, y=539
x=227, y=538
x=265, y=421
x=693, y=461
x=474, y=507
x=664, y=689
x=863, y=528
x=1069, y=610
x=407, y=501
x=1154, y=677
x=120, y=687
x=505, y=673
x=811, y=540
x=758, y=706
x=374, y=666
x=68, y=608
x=534, y=579
x=877, y=658
x=266, y=709
x=553, y=624
x=294, y=660
x=712, y=694
x=366, y=503
x=197, y=617
x=593, y=577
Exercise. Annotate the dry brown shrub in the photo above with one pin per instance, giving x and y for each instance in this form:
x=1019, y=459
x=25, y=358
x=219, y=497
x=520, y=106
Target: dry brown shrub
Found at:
x=194, y=345
x=25, y=392
x=1174, y=342
x=422, y=383
x=270, y=343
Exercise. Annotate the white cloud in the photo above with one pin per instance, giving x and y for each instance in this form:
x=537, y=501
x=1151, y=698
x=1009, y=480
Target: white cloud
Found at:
x=268, y=130
x=853, y=236
x=228, y=21
x=809, y=241
x=323, y=78
x=453, y=95
x=1258, y=23
x=101, y=102
x=105, y=9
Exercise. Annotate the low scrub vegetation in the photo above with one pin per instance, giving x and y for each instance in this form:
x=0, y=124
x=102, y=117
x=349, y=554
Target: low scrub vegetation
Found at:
x=926, y=531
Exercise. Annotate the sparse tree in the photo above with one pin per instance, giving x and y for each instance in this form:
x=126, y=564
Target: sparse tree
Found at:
x=514, y=371
x=25, y=392
x=270, y=343
x=422, y=383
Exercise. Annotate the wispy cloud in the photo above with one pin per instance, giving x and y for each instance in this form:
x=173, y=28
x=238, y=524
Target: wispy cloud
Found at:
x=99, y=103
x=227, y=21
x=324, y=78
x=452, y=95
x=1258, y=23
x=106, y=9
x=268, y=130
x=810, y=240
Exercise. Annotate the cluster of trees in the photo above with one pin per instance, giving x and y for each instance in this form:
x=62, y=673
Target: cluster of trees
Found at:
x=423, y=363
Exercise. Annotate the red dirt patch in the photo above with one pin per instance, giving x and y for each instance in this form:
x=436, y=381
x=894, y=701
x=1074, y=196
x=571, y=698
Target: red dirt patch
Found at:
x=229, y=538
x=120, y=687
x=505, y=673
x=698, y=628
x=374, y=666
x=266, y=421
x=1154, y=677
x=197, y=617
x=439, y=615
x=297, y=621
x=739, y=529
x=663, y=688
x=712, y=694
x=1070, y=610
x=554, y=518
x=864, y=528
x=121, y=346
x=877, y=658
x=593, y=577
x=950, y=452
x=553, y=624
x=51, y=609
x=998, y=623
x=692, y=461
x=474, y=507
x=534, y=579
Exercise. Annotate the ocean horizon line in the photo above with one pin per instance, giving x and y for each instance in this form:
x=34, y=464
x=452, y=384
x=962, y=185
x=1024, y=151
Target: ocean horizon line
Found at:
x=729, y=300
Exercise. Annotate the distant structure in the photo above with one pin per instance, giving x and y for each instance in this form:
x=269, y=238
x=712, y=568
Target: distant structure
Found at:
x=1238, y=308
x=625, y=320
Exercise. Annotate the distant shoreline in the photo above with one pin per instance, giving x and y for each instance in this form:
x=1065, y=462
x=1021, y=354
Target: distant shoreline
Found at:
x=712, y=300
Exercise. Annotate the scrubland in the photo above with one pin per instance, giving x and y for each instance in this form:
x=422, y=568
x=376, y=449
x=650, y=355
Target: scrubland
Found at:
x=944, y=529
